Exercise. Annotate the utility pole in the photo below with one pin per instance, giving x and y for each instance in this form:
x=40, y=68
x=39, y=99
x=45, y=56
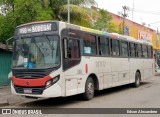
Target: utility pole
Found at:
x=124, y=14
x=132, y=10
x=68, y=11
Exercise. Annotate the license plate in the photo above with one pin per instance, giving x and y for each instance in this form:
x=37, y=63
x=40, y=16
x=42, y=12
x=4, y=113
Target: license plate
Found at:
x=27, y=90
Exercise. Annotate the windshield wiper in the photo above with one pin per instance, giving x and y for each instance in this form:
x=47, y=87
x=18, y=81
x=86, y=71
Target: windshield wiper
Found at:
x=20, y=48
x=49, y=42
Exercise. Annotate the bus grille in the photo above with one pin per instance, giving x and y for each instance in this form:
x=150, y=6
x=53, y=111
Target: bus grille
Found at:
x=34, y=90
x=30, y=73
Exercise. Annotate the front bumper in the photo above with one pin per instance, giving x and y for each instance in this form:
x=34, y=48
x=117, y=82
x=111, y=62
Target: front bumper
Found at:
x=52, y=91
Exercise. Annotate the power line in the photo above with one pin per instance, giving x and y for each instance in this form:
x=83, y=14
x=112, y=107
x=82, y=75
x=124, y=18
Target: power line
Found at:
x=154, y=22
x=147, y=12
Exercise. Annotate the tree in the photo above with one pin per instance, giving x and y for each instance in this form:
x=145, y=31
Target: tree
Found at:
x=16, y=12
x=24, y=12
x=79, y=14
x=104, y=22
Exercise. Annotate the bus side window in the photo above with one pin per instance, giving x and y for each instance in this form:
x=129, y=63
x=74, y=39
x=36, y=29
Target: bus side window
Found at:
x=138, y=51
x=71, y=52
x=115, y=47
x=149, y=52
x=124, y=49
x=89, y=44
x=132, y=50
x=73, y=47
x=144, y=48
x=141, y=51
x=103, y=46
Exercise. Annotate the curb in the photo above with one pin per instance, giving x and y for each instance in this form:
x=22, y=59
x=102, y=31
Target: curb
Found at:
x=4, y=103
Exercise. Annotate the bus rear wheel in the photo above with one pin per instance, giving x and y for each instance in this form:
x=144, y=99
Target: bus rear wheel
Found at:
x=89, y=89
x=137, y=80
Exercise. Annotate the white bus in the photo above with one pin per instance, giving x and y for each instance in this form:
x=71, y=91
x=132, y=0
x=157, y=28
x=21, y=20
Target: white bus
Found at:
x=57, y=59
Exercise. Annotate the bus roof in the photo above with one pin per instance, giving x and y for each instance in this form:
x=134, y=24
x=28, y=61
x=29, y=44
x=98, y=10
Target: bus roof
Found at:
x=129, y=38
x=88, y=29
x=36, y=22
x=113, y=35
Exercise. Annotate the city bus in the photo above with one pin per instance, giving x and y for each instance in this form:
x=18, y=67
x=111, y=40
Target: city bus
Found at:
x=58, y=59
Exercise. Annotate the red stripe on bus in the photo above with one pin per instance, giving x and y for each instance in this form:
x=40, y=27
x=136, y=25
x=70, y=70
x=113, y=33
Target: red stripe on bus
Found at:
x=28, y=82
x=86, y=67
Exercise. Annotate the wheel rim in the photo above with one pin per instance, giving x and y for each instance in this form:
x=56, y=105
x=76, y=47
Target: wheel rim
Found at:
x=90, y=89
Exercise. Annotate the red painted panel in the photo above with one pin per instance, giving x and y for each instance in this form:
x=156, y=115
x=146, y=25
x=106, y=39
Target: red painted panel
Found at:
x=86, y=67
x=28, y=82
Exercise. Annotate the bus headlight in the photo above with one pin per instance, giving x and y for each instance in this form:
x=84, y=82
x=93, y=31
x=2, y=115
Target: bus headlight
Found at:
x=52, y=81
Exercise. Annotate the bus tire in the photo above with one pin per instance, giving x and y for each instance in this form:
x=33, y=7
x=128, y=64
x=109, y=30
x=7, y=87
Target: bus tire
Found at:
x=89, y=89
x=137, y=80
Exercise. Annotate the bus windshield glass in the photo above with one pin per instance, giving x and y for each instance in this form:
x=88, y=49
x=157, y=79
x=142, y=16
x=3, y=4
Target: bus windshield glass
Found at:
x=36, y=52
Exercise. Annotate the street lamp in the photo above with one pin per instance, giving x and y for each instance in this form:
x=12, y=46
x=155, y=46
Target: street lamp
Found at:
x=68, y=11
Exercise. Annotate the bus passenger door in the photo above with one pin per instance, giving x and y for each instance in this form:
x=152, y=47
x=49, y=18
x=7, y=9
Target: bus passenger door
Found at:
x=71, y=67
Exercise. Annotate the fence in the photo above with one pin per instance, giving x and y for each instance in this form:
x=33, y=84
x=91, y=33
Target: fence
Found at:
x=5, y=66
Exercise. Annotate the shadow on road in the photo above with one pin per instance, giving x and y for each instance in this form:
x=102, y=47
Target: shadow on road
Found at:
x=62, y=101
x=118, y=89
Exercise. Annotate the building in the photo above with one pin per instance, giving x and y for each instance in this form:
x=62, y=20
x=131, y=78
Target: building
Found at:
x=137, y=31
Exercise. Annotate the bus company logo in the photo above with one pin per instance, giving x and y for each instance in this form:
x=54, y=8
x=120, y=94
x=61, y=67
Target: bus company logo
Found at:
x=6, y=111
x=27, y=83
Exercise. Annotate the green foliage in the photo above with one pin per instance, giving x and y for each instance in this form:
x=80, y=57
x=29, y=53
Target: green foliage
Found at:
x=16, y=12
x=104, y=22
x=24, y=12
x=31, y=10
x=79, y=15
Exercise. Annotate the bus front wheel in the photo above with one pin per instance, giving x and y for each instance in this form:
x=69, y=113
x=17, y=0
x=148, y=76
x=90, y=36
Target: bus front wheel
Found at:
x=89, y=89
x=137, y=80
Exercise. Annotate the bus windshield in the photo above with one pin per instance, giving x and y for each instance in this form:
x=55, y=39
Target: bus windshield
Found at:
x=36, y=52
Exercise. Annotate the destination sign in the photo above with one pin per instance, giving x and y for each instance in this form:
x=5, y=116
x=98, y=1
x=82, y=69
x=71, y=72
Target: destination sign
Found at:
x=37, y=28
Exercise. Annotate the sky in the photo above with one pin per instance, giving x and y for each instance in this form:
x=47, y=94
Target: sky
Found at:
x=145, y=11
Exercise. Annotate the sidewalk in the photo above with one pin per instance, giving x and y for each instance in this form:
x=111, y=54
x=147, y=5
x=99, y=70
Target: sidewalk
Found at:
x=7, y=98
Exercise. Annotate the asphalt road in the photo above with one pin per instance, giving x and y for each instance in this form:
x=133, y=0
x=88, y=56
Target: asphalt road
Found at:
x=146, y=96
